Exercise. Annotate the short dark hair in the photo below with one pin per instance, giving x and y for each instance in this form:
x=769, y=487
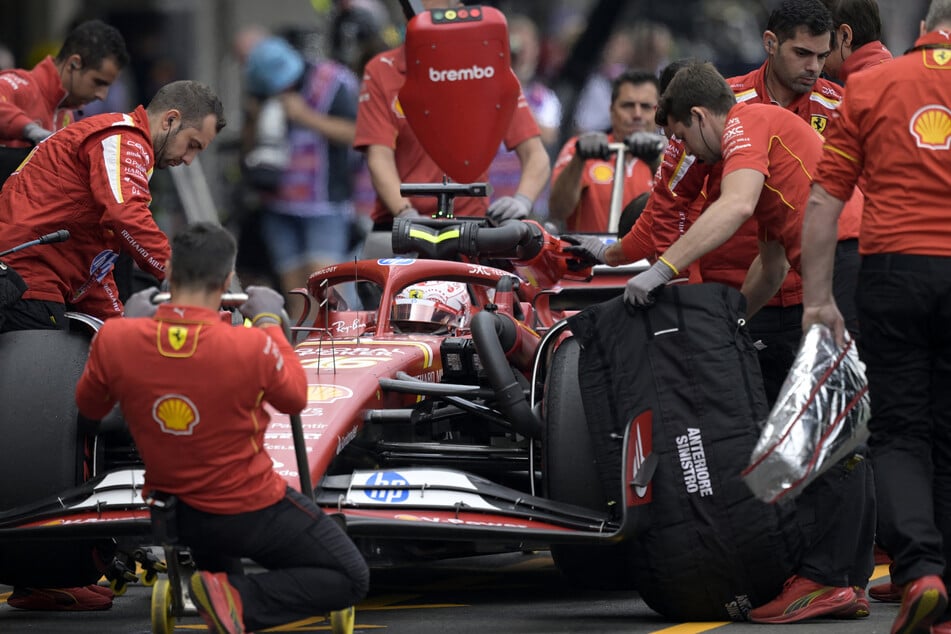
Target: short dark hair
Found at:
x=862, y=16
x=203, y=254
x=94, y=41
x=792, y=15
x=635, y=77
x=697, y=84
x=666, y=75
x=193, y=99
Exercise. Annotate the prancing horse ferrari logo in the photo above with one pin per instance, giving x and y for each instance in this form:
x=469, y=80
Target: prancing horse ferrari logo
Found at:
x=177, y=335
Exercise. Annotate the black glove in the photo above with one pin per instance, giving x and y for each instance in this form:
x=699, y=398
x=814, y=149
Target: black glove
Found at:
x=12, y=286
x=592, y=145
x=646, y=146
x=140, y=304
x=264, y=305
x=509, y=208
x=587, y=248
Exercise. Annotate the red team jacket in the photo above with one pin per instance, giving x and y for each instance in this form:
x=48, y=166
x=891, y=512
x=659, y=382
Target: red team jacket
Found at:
x=593, y=210
x=896, y=125
x=31, y=96
x=192, y=390
x=94, y=181
x=380, y=121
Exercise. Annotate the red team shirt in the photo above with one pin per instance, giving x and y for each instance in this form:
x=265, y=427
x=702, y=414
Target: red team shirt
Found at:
x=31, y=96
x=894, y=127
x=779, y=145
x=593, y=210
x=380, y=121
x=192, y=390
x=95, y=183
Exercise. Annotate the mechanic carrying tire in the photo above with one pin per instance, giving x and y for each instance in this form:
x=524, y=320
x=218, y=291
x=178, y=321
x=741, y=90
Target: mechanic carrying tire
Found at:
x=192, y=390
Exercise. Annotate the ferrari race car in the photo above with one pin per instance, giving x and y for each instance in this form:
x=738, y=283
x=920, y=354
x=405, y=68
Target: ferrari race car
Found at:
x=443, y=417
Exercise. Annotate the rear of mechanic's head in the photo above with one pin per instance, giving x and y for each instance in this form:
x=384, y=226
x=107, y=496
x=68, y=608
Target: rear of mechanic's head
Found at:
x=793, y=15
x=861, y=16
x=203, y=256
x=696, y=85
x=939, y=16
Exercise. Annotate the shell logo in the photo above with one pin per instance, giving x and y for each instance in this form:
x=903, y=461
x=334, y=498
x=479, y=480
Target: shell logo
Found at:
x=327, y=393
x=175, y=414
x=931, y=127
x=602, y=173
x=398, y=108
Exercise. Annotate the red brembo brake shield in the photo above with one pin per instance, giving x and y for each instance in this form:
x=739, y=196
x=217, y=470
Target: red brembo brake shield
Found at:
x=460, y=91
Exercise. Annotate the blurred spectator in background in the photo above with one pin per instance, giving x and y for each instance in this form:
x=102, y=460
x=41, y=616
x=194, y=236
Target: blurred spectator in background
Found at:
x=357, y=33
x=301, y=160
x=35, y=103
x=593, y=109
x=858, y=35
x=6, y=58
x=506, y=170
x=583, y=176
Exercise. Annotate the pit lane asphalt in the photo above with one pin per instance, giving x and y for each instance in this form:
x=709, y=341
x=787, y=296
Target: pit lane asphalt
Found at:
x=512, y=593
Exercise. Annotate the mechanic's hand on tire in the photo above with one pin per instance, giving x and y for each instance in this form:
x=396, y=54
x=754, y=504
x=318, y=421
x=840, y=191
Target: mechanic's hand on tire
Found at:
x=639, y=290
x=264, y=305
x=592, y=145
x=140, y=304
x=588, y=249
x=646, y=146
x=509, y=208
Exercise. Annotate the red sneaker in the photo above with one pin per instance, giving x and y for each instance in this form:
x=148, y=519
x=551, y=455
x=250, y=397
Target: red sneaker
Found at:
x=78, y=599
x=858, y=610
x=886, y=593
x=803, y=599
x=923, y=601
x=218, y=603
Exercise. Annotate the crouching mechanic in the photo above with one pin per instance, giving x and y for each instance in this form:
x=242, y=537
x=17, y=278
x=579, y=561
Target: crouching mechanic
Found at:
x=92, y=179
x=193, y=390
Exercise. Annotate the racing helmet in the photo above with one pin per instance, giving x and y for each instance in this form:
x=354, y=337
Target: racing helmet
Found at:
x=434, y=302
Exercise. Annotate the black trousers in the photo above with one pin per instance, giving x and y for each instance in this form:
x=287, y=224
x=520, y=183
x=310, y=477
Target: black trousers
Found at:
x=33, y=314
x=845, y=279
x=904, y=305
x=836, y=512
x=312, y=566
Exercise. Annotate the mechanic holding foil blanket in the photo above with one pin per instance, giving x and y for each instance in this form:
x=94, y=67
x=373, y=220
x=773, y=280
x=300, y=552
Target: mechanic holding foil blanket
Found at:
x=193, y=391
x=767, y=156
x=893, y=137
x=92, y=179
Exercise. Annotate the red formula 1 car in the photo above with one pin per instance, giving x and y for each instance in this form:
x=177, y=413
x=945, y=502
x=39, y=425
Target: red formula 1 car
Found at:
x=443, y=417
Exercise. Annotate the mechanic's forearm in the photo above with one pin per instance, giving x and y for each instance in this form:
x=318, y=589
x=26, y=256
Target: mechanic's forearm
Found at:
x=762, y=283
x=819, y=237
x=536, y=168
x=614, y=255
x=566, y=190
x=336, y=129
x=711, y=229
x=381, y=162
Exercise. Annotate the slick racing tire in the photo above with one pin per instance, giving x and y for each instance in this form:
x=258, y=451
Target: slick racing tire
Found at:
x=41, y=455
x=571, y=476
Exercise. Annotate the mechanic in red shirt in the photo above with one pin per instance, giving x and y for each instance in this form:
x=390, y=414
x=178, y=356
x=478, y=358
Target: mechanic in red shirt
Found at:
x=893, y=136
x=35, y=103
x=583, y=176
x=768, y=155
x=92, y=178
x=193, y=391
x=395, y=156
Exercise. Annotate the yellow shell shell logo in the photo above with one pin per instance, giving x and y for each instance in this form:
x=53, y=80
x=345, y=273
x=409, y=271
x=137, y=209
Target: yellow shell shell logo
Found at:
x=602, y=173
x=327, y=393
x=175, y=414
x=931, y=127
